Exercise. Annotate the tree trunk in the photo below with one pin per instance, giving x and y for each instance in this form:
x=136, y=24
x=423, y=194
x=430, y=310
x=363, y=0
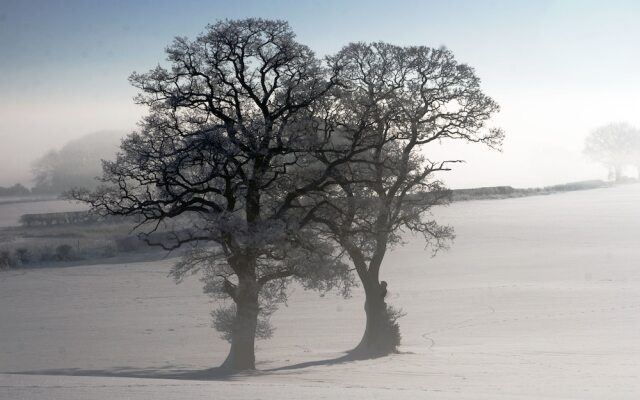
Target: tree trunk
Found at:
x=381, y=336
x=242, y=353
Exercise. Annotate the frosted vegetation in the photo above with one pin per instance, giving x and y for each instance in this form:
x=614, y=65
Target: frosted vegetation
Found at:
x=268, y=165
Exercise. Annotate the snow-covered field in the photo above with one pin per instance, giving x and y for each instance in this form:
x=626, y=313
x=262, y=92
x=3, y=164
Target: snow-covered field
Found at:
x=539, y=297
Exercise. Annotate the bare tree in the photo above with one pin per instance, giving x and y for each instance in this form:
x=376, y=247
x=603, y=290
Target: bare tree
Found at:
x=614, y=145
x=227, y=153
x=77, y=163
x=396, y=101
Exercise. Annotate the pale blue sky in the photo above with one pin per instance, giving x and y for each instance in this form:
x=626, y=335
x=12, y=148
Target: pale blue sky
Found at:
x=558, y=68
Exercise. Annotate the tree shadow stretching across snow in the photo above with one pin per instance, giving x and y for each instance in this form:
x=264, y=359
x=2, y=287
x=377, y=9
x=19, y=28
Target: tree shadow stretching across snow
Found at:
x=330, y=361
x=177, y=372
x=169, y=372
x=350, y=356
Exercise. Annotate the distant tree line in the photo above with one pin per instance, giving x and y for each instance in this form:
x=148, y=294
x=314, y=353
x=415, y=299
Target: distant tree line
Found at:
x=63, y=218
x=76, y=164
x=23, y=256
x=16, y=190
x=502, y=192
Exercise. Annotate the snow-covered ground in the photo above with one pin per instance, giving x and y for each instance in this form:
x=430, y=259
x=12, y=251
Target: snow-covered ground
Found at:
x=538, y=297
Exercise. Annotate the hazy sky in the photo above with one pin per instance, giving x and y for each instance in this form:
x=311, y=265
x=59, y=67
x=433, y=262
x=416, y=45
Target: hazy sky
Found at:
x=557, y=68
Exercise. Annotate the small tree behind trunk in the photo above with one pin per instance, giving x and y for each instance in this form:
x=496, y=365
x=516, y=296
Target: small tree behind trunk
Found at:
x=382, y=332
x=242, y=352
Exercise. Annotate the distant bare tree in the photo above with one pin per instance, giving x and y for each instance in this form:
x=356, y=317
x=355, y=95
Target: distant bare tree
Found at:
x=614, y=145
x=396, y=101
x=76, y=163
x=15, y=190
x=228, y=151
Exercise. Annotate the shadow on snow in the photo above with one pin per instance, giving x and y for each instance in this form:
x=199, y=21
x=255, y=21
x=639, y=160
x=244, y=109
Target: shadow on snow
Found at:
x=177, y=372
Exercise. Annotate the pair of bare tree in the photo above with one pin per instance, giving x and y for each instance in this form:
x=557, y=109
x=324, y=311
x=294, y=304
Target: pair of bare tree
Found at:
x=270, y=165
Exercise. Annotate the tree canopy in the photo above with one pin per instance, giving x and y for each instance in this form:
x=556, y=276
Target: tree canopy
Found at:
x=398, y=100
x=226, y=149
x=267, y=164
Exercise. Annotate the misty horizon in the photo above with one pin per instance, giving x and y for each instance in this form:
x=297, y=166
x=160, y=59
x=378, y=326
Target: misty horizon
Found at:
x=549, y=65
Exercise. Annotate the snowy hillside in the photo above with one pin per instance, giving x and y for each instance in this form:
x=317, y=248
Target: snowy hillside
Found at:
x=539, y=297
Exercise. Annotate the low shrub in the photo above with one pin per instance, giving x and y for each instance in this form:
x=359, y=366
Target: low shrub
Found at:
x=46, y=254
x=23, y=255
x=6, y=261
x=129, y=243
x=65, y=252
